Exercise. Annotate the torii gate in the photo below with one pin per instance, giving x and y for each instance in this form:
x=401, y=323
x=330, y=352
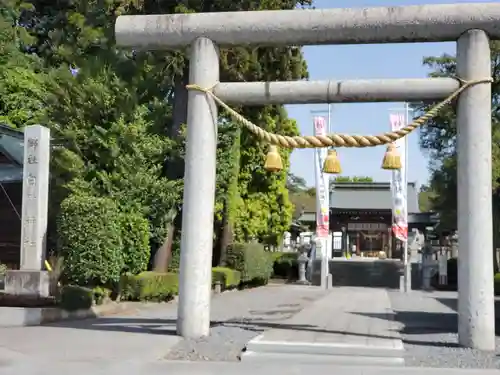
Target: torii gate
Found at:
x=471, y=25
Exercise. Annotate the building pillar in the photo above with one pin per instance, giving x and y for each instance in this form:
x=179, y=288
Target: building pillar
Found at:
x=476, y=311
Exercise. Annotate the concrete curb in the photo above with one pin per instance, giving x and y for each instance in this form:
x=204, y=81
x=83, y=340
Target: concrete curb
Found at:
x=332, y=359
x=32, y=316
x=258, y=345
x=258, y=350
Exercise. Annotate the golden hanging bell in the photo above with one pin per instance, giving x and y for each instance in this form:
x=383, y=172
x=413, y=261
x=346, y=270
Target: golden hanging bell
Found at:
x=392, y=159
x=273, y=160
x=332, y=163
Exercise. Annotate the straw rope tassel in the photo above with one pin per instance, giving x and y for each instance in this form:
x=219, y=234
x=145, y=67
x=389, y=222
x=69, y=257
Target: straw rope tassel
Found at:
x=336, y=140
x=273, y=160
x=332, y=163
x=392, y=158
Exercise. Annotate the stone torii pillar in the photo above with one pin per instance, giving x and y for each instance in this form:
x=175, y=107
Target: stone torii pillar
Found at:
x=470, y=24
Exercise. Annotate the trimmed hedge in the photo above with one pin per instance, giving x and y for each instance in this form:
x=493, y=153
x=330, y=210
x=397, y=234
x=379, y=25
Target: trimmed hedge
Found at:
x=285, y=265
x=89, y=240
x=152, y=286
x=75, y=297
x=252, y=261
x=228, y=277
x=149, y=286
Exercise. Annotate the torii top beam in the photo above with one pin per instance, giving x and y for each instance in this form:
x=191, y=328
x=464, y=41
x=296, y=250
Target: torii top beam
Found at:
x=420, y=23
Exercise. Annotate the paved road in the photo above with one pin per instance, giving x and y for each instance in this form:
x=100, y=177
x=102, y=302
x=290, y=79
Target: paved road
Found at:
x=139, y=342
x=148, y=335
x=223, y=368
x=346, y=326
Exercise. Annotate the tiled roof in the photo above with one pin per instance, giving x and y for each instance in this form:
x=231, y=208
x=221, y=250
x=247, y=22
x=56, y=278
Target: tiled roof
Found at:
x=362, y=196
x=370, y=196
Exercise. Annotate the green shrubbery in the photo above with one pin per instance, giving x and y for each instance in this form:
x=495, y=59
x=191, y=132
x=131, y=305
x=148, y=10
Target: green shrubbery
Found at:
x=227, y=277
x=74, y=298
x=90, y=240
x=149, y=286
x=252, y=261
x=105, y=249
x=285, y=265
x=101, y=295
x=135, y=241
x=99, y=243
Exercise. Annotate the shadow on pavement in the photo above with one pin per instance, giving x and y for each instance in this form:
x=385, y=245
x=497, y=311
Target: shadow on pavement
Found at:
x=452, y=303
x=422, y=323
x=168, y=326
x=123, y=324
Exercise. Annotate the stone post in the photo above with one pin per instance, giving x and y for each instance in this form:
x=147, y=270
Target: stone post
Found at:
x=199, y=195
x=30, y=279
x=476, y=302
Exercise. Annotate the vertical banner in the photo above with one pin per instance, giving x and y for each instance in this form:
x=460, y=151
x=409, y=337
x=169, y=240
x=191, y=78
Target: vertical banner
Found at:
x=399, y=184
x=322, y=181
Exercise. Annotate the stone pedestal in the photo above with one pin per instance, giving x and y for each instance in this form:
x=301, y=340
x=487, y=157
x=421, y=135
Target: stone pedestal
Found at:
x=27, y=283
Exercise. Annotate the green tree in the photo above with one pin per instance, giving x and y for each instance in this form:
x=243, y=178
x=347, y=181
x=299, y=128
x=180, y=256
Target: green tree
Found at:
x=23, y=82
x=79, y=34
x=425, y=195
x=108, y=146
x=438, y=139
x=295, y=184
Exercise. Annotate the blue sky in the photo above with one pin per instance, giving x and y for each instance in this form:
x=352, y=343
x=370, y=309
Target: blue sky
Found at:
x=365, y=61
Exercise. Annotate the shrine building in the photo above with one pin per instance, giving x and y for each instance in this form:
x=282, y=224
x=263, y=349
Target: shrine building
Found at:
x=361, y=218
x=11, y=176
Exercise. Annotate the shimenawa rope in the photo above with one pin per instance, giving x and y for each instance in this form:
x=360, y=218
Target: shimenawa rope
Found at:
x=338, y=140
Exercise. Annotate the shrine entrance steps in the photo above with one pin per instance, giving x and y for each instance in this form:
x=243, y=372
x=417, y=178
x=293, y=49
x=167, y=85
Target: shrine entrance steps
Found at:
x=366, y=273
x=347, y=326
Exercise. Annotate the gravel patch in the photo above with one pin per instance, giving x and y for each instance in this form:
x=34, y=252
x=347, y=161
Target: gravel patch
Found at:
x=239, y=316
x=429, y=332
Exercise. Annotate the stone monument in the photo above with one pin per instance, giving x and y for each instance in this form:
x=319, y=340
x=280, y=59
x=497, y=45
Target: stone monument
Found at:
x=30, y=279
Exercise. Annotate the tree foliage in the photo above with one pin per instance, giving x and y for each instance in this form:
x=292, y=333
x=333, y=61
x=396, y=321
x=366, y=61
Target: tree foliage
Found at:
x=111, y=113
x=438, y=138
x=425, y=197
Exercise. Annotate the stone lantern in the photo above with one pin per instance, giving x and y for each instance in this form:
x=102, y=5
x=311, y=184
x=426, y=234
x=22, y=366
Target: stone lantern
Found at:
x=302, y=262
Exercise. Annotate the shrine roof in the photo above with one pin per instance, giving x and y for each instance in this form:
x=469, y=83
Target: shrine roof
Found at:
x=368, y=196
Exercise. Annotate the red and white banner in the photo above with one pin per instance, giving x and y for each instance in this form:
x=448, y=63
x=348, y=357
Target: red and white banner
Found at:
x=399, y=184
x=322, y=180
